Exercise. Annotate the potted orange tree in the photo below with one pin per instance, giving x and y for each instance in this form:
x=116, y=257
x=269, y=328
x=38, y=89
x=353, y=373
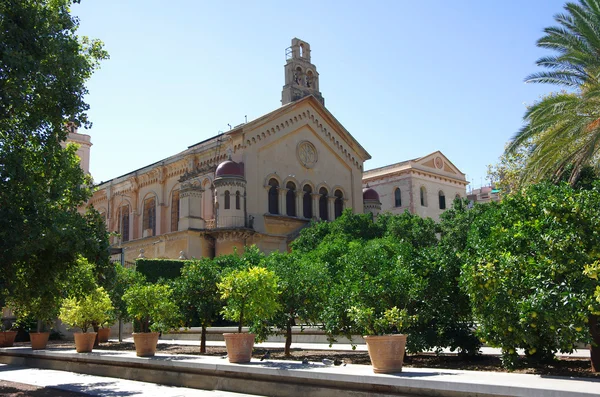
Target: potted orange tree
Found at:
x=251, y=298
x=385, y=343
x=153, y=310
x=82, y=313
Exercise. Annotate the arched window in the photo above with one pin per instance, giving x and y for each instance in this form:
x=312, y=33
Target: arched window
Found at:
x=290, y=199
x=339, y=203
x=227, y=200
x=397, y=198
x=273, y=196
x=423, y=197
x=309, y=79
x=238, y=200
x=175, y=211
x=307, y=202
x=457, y=196
x=442, y=200
x=323, y=204
x=149, y=216
x=124, y=223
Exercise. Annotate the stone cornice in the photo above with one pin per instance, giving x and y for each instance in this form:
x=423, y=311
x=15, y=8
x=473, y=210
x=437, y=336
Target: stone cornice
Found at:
x=417, y=172
x=230, y=234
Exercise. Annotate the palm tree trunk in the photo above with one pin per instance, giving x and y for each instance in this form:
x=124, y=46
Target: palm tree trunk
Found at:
x=595, y=346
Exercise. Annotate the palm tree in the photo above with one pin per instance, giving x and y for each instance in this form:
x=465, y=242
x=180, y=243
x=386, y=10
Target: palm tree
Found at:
x=564, y=127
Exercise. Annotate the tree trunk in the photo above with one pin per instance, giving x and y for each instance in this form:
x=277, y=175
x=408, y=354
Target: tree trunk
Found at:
x=203, y=340
x=39, y=325
x=595, y=346
x=95, y=327
x=288, y=339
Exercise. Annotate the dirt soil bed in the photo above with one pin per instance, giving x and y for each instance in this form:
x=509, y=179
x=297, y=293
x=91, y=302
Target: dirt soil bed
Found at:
x=563, y=366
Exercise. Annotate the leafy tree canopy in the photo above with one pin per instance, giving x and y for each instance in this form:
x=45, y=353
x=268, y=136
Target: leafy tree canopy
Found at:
x=43, y=70
x=525, y=271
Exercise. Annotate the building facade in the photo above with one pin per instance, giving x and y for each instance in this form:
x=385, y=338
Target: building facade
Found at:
x=425, y=186
x=261, y=182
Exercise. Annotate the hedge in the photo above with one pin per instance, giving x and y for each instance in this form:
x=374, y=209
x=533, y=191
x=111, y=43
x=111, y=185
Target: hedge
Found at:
x=153, y=269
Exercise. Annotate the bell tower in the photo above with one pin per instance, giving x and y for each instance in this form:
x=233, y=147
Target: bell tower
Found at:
x=301, y=77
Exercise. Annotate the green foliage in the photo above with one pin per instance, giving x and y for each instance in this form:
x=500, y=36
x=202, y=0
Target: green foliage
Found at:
x=505, y=175
x=152, y=306
x=91, y=309
x=399, y=262
x=155, y=269
x=417, y=231
x=526, y=270
x=250, y=296
x=367, y=323
x=377, y=274
x=564, y=126
x=124, y=279
x=196, y=291
x=44, y=67
x=303, y=285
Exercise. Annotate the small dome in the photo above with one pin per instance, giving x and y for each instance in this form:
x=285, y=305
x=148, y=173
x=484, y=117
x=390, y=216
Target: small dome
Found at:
x=228, y=168
x=370, y=194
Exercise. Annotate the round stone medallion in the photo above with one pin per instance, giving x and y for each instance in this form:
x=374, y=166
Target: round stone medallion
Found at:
x=439, y=163
x=307, y=154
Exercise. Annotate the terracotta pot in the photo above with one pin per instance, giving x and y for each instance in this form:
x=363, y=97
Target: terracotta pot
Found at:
x=7, y=338
x=84, y=341
x=239, y=347
x=103, y=334
x=386, y=352
x=145, y=343
x=39, y=340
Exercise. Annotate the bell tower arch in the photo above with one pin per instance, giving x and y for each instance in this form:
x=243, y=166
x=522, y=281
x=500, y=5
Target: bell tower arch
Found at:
x=301, y=77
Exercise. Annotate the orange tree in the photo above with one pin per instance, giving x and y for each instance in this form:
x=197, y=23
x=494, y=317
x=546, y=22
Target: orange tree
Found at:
x=528, y=272
x=302, y=283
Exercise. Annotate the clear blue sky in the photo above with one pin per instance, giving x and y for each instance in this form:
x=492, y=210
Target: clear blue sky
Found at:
x=406, y=78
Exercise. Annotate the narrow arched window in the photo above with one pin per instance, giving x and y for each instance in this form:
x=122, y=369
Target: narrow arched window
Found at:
x=323, y=204
x=238, y=200
x=227, y=200
x=290, y=199
x=423, y=196
x=442, y=200
x=124, y=223
x=175, y=211
x=339, y=203
x=307, y=202
x=149, y=223
x=273, y=196
x=397, y=198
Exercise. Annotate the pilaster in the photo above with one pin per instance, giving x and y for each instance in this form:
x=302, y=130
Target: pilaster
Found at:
x=190, y=206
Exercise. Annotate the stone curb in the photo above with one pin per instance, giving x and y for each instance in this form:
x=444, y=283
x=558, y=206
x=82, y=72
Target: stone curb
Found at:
x=286, y=378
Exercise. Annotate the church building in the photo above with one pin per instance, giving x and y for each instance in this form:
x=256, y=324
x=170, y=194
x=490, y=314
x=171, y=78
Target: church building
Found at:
x=263, y=181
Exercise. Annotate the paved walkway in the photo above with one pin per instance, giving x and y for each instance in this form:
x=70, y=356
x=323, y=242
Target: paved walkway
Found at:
x=99, y=385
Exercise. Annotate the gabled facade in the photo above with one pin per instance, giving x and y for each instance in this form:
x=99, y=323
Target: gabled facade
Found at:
x=425, y=186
